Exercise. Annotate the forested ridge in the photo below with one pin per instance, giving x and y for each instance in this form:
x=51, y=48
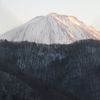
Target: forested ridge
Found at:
x=30, y=71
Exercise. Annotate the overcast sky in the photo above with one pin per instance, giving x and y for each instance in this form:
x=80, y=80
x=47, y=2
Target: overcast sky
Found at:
x=16, y=12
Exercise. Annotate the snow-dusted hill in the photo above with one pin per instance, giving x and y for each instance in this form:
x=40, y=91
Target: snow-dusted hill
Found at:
x=53, y=28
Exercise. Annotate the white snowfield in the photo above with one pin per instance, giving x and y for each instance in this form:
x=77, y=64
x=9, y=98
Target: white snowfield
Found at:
x=52, y=29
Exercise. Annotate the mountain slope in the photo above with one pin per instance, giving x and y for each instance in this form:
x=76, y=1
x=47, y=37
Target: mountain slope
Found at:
x=52, y=28
x=50, y=72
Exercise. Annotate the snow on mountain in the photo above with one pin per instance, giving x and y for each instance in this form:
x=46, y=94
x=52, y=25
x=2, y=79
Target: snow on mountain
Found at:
x=53, y=28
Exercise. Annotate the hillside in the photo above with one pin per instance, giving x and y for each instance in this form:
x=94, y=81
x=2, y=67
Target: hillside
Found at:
x=50, y=72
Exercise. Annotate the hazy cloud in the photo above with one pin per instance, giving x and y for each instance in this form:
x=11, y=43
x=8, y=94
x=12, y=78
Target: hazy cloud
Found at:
x=7, y=19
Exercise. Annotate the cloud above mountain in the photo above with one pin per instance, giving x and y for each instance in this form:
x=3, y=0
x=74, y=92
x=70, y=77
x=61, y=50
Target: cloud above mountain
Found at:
x=7, y=19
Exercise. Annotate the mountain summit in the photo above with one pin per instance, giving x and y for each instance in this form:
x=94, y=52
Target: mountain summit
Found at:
x=52, y=29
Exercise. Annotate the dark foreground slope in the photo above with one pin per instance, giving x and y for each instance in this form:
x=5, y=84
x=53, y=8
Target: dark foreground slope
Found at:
x=30, y=71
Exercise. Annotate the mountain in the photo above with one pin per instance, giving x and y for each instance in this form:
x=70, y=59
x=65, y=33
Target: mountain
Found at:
x=52, y=29
x=30, y=71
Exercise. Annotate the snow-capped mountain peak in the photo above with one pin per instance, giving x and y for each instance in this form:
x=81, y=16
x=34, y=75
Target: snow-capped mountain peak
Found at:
x=52, y=29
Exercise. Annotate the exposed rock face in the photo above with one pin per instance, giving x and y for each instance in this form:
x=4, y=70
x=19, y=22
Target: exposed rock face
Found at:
x=52, y=29
x=50, y=72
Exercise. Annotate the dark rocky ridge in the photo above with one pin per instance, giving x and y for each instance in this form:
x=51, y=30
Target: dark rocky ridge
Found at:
x=32, y=71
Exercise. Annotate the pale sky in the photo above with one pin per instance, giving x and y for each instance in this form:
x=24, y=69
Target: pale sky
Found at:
x=16, y=12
